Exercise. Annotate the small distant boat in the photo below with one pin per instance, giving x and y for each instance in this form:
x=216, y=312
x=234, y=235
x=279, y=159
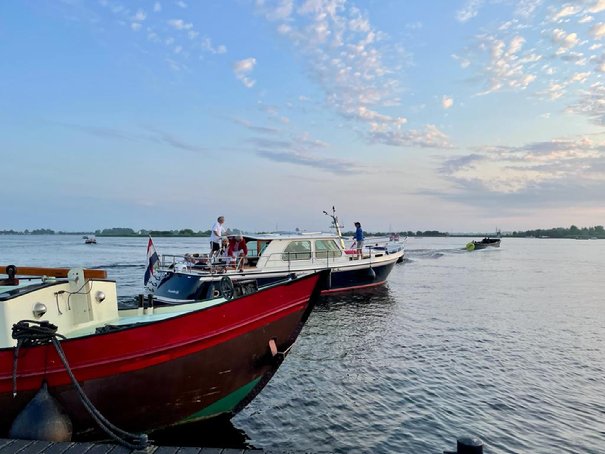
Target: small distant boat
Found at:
x=485, y=242
x=90, y=239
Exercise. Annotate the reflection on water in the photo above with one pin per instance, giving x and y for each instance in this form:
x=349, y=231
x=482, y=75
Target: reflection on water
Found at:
x=217, y=433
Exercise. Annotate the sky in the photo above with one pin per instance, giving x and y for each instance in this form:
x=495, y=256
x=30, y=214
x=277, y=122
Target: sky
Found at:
x=451, y=115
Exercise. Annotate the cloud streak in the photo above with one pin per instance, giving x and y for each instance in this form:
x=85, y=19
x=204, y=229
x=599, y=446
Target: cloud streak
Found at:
x=153, y=135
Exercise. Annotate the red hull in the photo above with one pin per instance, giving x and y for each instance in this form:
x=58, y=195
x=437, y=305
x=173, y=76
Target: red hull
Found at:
x=159, y=374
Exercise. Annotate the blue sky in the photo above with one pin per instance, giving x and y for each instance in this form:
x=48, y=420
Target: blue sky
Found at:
x=411, y=115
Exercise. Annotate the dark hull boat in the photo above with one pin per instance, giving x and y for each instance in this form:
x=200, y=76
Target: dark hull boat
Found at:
x=178, y=286
x=484, y=243
x=145, y=371
x=183, y=279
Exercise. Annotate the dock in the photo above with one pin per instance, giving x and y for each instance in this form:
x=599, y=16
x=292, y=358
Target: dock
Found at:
x=11, y=446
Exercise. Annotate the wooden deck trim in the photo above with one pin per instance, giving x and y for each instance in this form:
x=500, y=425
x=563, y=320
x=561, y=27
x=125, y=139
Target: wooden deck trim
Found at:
x=54, y=272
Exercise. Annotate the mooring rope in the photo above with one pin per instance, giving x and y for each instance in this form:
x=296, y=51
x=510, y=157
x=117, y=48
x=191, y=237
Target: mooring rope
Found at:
x=30, y=333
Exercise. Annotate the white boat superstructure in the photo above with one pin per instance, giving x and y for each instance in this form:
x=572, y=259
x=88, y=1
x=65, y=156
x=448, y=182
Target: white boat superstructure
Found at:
x=273, y=256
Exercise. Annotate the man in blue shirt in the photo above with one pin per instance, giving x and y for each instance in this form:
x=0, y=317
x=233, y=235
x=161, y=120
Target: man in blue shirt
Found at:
x=358, y=239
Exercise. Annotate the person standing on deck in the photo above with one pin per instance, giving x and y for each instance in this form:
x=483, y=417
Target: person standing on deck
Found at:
x=358, y=239
x=216, y=235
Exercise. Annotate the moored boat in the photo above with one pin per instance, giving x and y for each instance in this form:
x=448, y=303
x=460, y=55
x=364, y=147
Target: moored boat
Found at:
x=143, y=368
x=272, y=257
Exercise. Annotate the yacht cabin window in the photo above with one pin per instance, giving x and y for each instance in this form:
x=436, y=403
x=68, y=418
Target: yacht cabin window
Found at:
x=297, y=250
x=327, y=248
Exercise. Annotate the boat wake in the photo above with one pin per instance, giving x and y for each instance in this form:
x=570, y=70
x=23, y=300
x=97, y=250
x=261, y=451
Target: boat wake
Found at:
x=431, y=253
x=117, y=266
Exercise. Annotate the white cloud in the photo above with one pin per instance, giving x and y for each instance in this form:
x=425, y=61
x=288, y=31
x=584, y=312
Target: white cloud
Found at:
x=598, y=6
x=598, y=31
x=447, y=102
x=564, y=39
x=180, y=24
x=470, y=10
x=346, y=57
x=281, y=11
x=209, y=47
x=139, y=16
x=506, y=68
x=242, y=68
x=135, y=26
x=508, y=170
x=181, y=4
x=525, y=8
x=591, y=103
x=429, y=137
x=565, y=11
x=580, y=77
x=157, y=7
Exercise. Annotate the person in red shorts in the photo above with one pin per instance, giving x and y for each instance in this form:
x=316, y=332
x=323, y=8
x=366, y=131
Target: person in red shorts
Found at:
x=237, y=251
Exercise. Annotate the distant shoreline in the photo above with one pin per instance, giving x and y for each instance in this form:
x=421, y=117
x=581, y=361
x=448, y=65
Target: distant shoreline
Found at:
x=573, y=232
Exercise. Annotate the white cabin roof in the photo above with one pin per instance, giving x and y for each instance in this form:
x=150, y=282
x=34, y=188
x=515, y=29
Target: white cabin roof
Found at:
x=289, y=236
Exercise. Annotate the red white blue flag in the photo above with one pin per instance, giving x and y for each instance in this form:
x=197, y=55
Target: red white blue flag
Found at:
x=152, y=261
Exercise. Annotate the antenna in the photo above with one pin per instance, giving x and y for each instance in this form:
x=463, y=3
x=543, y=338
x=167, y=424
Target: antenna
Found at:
x=336, y=225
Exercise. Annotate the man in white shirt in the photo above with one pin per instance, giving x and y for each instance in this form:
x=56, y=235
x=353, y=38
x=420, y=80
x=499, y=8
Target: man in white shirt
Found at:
x=216, y=234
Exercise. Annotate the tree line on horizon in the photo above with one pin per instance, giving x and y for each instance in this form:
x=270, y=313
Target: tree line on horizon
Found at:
x=556, y=232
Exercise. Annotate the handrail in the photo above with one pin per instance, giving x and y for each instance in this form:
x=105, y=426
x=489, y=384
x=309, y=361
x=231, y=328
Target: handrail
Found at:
x=219, y=264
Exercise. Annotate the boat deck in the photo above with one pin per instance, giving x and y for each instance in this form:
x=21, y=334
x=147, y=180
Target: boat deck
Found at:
x=9, y=446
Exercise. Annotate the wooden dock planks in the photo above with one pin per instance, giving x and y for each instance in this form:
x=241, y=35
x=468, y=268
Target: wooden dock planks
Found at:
x=9, y=446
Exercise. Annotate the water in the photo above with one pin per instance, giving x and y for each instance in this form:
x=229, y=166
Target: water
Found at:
x=505, y=344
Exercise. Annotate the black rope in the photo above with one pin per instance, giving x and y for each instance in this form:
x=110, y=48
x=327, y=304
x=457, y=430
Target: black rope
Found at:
x=31, y=333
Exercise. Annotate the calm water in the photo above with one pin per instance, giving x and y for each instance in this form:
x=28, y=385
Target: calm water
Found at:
x=506, y=344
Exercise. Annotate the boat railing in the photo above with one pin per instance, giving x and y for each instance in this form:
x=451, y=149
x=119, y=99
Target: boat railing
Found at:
x=275, y=261
x=213, y=264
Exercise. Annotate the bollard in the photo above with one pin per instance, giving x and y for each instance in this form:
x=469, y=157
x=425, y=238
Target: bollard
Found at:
x=467, y=445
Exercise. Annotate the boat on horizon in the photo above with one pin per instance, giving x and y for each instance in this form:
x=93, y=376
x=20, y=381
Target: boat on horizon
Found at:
x=143, y=368
x=90, y=239
x=484, y=243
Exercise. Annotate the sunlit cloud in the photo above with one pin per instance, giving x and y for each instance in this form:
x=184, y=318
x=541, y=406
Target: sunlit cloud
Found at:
x=565, y=11
x=564, y=39
x=597, y=7
x=346, y=56
x=507, y=67
x=591, y=103
x=598, y=31
x=506, y=169
x=242, y=69
x=447, y=102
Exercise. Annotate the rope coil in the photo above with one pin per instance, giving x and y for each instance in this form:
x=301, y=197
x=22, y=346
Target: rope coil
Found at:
x=29, y=333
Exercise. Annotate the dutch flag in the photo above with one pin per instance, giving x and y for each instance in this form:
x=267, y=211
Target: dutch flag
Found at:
x=152, y=261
